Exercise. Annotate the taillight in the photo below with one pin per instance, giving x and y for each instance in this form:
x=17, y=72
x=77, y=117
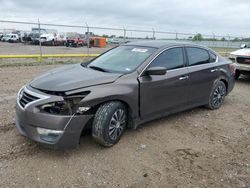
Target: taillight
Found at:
x=233, y=67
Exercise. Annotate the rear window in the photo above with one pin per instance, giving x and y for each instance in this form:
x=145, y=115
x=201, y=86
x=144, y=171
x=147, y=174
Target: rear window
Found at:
x=197, y=56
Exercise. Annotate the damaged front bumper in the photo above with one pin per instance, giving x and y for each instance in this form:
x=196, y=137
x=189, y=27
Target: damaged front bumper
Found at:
x=56, y=131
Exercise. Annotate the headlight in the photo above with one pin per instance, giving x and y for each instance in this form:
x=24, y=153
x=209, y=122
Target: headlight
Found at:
x=231, y=56
x=67, y=107
x=62, y=108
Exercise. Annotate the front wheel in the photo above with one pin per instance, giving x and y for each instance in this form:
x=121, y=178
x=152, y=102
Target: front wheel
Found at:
x=217, y=95
x=109, y=123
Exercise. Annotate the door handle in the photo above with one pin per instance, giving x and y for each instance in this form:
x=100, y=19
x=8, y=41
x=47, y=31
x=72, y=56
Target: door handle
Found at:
x=183, y=77
x=214, y=70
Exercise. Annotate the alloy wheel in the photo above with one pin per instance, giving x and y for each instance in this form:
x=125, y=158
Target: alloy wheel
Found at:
x=219, y=95
x=117, y=124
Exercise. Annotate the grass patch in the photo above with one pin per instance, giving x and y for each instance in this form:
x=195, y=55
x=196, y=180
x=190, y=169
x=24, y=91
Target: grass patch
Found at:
x=223, y=49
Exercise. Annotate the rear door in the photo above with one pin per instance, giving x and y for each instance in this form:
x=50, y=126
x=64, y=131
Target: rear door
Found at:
x=160, y=94
x=203, y=71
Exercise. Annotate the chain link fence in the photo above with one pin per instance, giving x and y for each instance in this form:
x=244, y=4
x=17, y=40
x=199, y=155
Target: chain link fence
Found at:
x=41, y=39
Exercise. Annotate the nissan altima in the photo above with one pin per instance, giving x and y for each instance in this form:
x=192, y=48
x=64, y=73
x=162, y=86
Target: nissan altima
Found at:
x=122, y=88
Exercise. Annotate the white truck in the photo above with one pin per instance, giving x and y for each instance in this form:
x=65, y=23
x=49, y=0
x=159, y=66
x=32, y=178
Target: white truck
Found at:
x=242, y=59
x=53, y=39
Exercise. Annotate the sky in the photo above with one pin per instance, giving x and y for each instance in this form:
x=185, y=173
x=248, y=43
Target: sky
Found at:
x=219, y=17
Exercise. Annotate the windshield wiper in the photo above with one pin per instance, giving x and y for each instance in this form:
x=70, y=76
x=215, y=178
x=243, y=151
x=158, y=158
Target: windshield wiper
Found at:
x=83, y=65
x=97, y=68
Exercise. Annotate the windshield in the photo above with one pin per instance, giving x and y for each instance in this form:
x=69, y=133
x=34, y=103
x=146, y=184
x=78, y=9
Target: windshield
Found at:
x=122, y=59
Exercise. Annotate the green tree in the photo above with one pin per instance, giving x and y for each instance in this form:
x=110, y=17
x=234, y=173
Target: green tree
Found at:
x=106, y=36
x=236, y=39
x=198, y=37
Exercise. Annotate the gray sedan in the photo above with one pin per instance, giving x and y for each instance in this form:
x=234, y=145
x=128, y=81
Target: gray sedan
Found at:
x=122, y=88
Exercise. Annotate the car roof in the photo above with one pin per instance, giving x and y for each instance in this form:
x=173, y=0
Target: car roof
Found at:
x=161, y=43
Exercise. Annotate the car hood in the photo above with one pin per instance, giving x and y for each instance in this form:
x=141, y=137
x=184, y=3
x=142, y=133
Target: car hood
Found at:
x=71, y=77
x=241, y=52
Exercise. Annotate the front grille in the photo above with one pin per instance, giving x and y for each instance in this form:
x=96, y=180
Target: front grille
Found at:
x=243, y=60
x=26, y=99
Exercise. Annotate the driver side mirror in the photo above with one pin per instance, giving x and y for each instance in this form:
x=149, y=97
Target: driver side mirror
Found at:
x=156, y=71
x=243, y=46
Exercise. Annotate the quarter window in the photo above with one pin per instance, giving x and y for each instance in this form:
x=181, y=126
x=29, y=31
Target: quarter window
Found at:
x=197, y=56
x=171, y=59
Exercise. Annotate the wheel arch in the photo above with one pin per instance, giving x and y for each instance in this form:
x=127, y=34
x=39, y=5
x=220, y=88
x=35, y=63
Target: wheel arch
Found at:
x=225, y=82
x=126, y=104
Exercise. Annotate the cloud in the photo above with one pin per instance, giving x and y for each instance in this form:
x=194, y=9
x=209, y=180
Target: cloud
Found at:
x=215, y=16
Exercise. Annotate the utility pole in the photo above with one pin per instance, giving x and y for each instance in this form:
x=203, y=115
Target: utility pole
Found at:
x=153, y=33
x=88, y=43
x=124, y=34
x=40, y=44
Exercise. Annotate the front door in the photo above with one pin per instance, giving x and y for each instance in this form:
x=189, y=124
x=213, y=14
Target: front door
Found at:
x=163, y=94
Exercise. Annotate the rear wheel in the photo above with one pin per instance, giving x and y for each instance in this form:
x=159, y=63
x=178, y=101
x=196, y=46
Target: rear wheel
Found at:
x=109, y=123
x=217, y=95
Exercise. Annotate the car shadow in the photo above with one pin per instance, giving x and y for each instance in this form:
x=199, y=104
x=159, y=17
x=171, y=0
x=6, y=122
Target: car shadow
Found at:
x=244, y=79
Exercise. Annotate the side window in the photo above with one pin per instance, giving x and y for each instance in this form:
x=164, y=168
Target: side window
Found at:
x=171, y=59
x=197, y=56
x=213, y=57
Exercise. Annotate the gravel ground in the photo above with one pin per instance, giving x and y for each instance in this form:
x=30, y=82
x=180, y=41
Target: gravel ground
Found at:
x=196, y=148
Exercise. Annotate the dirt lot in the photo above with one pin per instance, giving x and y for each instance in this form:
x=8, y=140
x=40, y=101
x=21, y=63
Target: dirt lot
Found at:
x=196, y=148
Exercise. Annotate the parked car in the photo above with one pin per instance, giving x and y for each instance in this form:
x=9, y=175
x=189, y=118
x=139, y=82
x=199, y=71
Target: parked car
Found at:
x=242, y=59
x=34, y=36
x=115, y=41
x=53, y=39
x=124, y=87
x=10, y=38
x=75, y=42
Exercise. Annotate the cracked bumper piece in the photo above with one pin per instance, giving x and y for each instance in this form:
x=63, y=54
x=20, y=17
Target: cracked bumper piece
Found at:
x=53, y=131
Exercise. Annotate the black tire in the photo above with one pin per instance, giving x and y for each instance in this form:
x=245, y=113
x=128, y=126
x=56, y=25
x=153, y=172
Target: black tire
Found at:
x=108, y=126
x=217, y=95
x=237, y=74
